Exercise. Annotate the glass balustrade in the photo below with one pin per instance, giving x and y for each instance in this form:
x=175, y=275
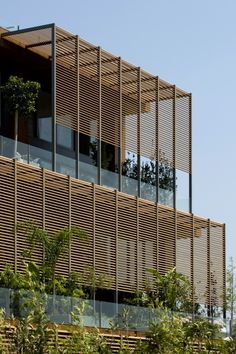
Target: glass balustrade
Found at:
x=25, y=153
x=91, y=313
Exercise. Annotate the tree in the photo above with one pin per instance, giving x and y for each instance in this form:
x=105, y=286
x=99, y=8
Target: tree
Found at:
x=172, y=291
x=231, y=296
x=54, y=246
x=21, y=98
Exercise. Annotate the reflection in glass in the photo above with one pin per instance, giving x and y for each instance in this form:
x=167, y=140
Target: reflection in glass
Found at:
x=130, y=173
x=166, y=181
x=109, y=165
x=65, y=137
x=26, y=153
x=88, y=155
x=148, y=179
x=45, y=128
x=65, y=157
x=66, y=165
x=182, y=191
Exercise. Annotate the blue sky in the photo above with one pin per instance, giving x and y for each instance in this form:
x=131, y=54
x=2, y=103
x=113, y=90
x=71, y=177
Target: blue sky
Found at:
x=189, y=43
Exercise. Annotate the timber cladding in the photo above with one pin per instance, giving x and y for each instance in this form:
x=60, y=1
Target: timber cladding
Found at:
x=126, y=235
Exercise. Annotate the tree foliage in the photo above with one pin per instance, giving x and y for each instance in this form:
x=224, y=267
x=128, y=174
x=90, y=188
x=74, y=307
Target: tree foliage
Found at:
x=21, y=95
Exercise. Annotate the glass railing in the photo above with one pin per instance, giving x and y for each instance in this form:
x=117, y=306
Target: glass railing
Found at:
x=25, y=153
x=66, y=165
x=101, y=314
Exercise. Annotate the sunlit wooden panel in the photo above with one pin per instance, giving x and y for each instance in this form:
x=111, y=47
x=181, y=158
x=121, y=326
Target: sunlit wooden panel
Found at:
x=183, y=133
x=147, y=246
x=166, y=239
x=57, y=210
x=7, y=212
x=127, y=243
x=105, y=233
x=184, y=244
x=217, y=264
x=201, y=260
x=29, y=208
x=66, y=79
x=82, y=250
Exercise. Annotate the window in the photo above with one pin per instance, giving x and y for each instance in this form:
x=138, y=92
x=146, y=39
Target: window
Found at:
x=45, y=129
x=65, y=137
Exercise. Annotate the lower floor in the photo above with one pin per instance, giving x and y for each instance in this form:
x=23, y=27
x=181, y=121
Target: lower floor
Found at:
x=125, y=234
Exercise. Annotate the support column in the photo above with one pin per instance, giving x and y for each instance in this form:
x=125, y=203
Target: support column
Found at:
x=100, y=114
x=174, y=146
x=157, y=138
x=78, y=105
x=15, y=214
x=54, y=131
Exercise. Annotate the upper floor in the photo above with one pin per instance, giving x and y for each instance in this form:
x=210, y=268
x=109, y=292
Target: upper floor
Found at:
x=99, y=118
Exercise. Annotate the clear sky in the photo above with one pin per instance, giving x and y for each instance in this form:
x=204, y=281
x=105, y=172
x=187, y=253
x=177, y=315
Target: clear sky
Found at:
x=189, y=43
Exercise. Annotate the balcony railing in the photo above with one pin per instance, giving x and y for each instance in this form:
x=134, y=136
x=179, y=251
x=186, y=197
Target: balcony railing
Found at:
x=26, y=153
x=91, y=313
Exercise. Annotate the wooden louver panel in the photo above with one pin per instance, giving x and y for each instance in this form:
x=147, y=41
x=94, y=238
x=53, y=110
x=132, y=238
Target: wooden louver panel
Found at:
x=7, y=213
x=29, y=207
x=130, y=107
x=89, y=90
x=127, y=243
x=217, y=266
x=184, y=244
x=110, y=99
x=126, y=235
x=165, y=128
x=182, y=134
x=57, y=210
x=147, y=246
x=82, y=216
x=201, y=261
x=105, y=237
x=166, y=239
x=66, y=80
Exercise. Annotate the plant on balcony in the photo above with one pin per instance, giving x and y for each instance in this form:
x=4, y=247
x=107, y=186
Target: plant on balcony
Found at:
x=21, y=97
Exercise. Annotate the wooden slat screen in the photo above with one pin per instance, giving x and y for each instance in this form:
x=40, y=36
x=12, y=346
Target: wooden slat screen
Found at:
x=89, y=90
x=94, y=89
x=148, y=118
x=182, y=135
x=7, y=213
x=166, y=239
x=147, y=255
x=57, y=209
x=184, y=245
x=110, y=99
x=127, y=243
x=29, y=207
x=66, y=80
x=105, y=233
x=165, y=127
x=126, y=235
x=130, y=109
x=217, y=264
x=82, y=216
x=201, y=260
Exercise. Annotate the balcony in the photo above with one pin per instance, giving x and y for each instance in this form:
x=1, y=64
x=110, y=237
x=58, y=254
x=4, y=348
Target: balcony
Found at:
x=90, y=313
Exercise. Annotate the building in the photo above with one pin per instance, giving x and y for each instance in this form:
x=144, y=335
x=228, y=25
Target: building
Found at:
x=109, y=149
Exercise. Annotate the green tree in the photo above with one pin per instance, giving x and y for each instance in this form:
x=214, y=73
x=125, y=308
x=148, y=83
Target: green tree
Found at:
x=21, y=98
x=231, y=296
x=172, y=291
x=54, y=246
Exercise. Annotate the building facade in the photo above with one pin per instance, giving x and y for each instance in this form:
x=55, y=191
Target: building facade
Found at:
x=109, y=150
